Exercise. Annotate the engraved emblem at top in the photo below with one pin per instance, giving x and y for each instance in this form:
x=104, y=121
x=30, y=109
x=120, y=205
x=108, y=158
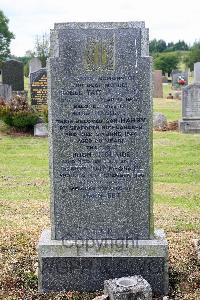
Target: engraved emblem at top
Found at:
x=99, y=54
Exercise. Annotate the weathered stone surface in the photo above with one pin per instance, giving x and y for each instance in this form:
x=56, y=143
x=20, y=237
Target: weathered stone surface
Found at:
x=34, y=65
x=83, y=265
x=197, y=72
x=190, y=122
x=159, y=121
x=126, y=288
x=38, y=83
x=5, y=91
x=157, y=84
x=41, y=129
x=100, y=133
x=13, y=74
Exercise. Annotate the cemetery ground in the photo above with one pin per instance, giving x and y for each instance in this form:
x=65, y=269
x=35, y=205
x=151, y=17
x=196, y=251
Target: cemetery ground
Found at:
x=24, y=197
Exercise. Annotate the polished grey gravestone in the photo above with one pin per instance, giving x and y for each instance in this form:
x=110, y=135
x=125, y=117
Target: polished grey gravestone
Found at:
x=100, y=134
x=157, y=84
x=13, y=74
x=34, y=64
x=38, y=84
x=190, y=122
x=197, y=72
x=176, y=74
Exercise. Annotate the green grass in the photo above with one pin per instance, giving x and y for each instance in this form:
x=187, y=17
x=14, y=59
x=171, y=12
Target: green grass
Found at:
x=24, y=164
x=171, y=108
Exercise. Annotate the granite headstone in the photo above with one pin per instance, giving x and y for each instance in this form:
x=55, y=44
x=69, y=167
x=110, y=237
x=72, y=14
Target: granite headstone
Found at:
x=197, y=72
x=34, y=65
x=5, y=91
x=38, y=83
x=157, y=84
x=100, y=134
x=13, y=74
x=190, y=122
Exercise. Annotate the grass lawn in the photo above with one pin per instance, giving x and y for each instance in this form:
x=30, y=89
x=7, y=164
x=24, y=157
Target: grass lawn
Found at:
x=24, y=198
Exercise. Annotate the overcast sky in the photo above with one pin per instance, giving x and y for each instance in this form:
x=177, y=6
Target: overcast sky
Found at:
x=170, y=20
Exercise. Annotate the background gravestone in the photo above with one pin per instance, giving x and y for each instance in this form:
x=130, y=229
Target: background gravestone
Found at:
x=197, y=72
x=190, y=122
x=5, y=91
x=157, y=84
x=13, y=74
x=38, y=83
x=1, y=79
x=175, y=75
x=34, y=65
x=100, y=134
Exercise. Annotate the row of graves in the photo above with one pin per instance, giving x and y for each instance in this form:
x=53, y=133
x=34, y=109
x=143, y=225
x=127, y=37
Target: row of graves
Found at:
x=189, y=93
x=12, y=84
x=12, y=81
x=38, y=88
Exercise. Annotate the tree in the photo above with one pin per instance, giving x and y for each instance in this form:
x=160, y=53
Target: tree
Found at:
x=157, y=46
x=181, y=46
x=5, y=37
x=193, y=56
x=166, y=62
x=42, y=48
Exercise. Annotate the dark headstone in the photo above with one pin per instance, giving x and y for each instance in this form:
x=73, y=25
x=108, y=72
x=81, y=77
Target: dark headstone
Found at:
x=100, y=133
x=38, y=83
x=13, y=74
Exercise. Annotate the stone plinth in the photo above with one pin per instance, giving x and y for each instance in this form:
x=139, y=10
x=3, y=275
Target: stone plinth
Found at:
x=84, y=265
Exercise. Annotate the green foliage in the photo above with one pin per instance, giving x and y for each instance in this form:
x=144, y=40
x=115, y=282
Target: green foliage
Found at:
x=17, y=113
x=26, y=69
x=5, y=36
x=166, y=62
x=157, y=46
x=45, y=114
x=193, y=56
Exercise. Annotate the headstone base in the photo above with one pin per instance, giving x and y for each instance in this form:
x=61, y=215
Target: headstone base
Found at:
x=40, y=129
x=189, y=126
x=83, y=265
